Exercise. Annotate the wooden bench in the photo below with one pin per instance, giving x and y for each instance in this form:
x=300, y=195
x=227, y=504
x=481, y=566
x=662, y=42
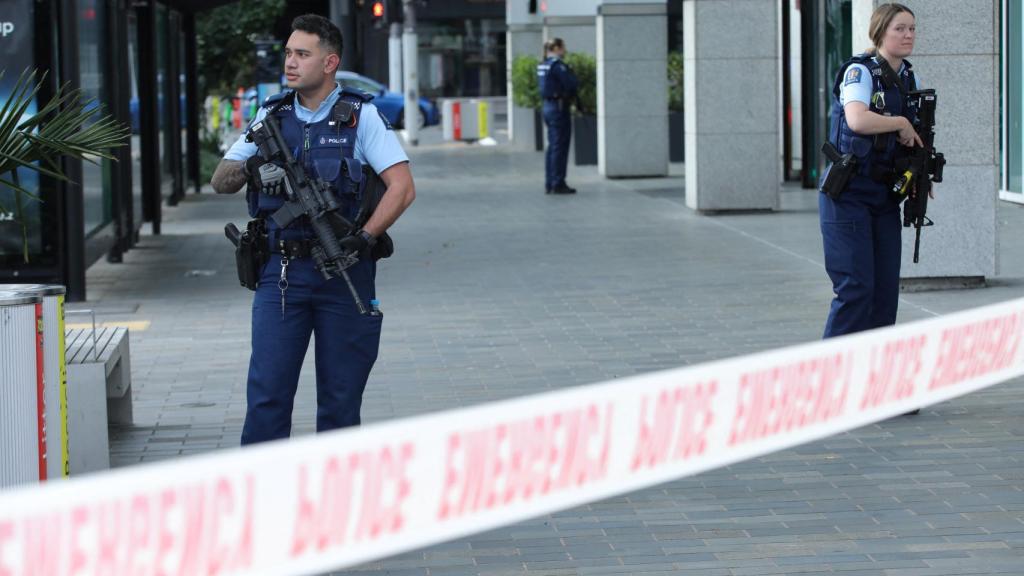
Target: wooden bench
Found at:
x=99, y=392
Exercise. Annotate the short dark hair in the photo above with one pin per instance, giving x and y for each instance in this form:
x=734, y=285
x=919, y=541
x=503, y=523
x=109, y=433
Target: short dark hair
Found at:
x=330, y=35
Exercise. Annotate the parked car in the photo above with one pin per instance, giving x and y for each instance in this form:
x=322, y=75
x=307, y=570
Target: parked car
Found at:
x=391, y=104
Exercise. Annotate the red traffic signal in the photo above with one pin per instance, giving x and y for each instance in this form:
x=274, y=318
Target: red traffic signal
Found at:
x=377, y=10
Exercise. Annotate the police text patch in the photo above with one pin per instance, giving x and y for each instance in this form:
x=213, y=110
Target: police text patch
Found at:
x=383, y=119
x=333, y=140
x=852, y=75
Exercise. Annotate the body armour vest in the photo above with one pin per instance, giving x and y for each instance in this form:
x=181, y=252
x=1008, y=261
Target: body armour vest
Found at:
x=548, y=90
x=325, y=149
x=875, y=154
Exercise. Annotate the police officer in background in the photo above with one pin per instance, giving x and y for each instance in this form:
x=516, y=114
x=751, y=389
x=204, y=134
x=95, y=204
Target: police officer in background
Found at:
x=861, y=228
x=558, y=87
x=293, y=299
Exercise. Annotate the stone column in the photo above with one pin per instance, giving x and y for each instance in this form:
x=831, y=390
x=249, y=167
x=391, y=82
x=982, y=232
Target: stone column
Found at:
x=957, y=54
x=632, y=89
x=731, y=94
x=523, y=37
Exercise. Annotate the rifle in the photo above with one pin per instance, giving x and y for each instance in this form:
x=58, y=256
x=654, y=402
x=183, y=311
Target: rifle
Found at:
x=925, y=167
x=311, y=198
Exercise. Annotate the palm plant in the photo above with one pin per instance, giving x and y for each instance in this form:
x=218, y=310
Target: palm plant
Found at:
x=64, y=126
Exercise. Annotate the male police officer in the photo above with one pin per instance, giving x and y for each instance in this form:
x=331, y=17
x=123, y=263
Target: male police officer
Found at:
x=558, y=87
x=293, y=299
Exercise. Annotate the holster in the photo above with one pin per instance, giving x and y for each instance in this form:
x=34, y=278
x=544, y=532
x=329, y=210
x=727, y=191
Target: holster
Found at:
x=844, y=166
x=252, y=253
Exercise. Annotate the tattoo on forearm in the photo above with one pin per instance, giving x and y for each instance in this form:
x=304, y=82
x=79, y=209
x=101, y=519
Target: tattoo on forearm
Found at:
x=229, y=177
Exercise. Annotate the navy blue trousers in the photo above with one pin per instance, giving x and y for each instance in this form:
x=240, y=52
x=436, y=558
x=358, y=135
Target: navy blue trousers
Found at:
x=556, y=157
x=861, y=233
x=346, y=347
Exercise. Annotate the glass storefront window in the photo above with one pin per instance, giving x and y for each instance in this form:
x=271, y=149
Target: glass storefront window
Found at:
x=838, y=42
x=136, y=142
x=462, y=57
x=1013, y=103
x=92, y=35
x=17, y=47
x=164, y=99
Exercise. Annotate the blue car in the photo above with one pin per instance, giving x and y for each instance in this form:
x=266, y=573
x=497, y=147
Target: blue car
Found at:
x=391, y=104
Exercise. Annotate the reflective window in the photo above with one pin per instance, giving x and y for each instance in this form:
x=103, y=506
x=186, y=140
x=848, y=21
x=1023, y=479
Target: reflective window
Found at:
x=133, y=104
x=163, y=108
x=96, y=187
x=17, y=48
x=1013, y=103
x=462, y=57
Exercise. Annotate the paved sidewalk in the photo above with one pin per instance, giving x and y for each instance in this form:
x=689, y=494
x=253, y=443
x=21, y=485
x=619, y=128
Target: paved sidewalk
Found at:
x=497, y=290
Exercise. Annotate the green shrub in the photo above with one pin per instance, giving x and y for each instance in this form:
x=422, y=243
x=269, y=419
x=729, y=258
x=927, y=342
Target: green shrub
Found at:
x=525, y=92
x=675, y=81
x=585, y=68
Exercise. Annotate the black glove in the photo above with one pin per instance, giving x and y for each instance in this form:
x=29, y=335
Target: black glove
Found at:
x=357, y=243
x=264, y=177
x=251, y=167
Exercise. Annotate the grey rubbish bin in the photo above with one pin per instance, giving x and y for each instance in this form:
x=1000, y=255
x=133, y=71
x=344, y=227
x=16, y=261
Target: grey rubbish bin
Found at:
x=55, y=374
x=22, y=430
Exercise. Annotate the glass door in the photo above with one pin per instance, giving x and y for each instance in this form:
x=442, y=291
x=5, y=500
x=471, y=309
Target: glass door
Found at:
x=1012, y=101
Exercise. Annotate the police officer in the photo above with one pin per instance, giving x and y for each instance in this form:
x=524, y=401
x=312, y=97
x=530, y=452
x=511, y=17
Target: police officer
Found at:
x=558, y=87
x=293, y=299
x=861, y=228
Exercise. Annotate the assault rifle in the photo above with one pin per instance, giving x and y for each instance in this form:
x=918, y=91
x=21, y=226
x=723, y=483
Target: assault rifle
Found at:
x=925, y=167
x=311, y=198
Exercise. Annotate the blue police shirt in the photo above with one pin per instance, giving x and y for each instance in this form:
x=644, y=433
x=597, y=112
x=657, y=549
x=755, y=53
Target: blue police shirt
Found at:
x=857, y=84
x=376, y=144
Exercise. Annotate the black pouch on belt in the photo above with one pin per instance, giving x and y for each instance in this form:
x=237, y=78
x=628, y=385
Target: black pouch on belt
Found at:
x=251, y=251
x=844, y=166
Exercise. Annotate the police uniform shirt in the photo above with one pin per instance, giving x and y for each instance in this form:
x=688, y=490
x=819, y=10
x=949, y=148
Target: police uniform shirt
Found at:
x=376, y=143
x=558, y=79
x=857, y=84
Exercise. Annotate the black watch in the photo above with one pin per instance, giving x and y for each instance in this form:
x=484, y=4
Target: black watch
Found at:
x=370, y=240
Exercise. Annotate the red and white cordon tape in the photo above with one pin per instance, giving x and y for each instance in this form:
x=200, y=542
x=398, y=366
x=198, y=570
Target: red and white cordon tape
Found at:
x=338, y=499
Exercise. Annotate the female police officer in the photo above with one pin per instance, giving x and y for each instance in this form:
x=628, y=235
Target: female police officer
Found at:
x=861, y=226
x=558, y=87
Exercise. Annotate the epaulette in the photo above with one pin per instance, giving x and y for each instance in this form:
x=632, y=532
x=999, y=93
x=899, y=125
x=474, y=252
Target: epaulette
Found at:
x=356, y=93
x=275, y=101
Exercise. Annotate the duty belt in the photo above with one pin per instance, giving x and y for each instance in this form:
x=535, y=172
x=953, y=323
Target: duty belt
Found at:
x=883, y=174
x=292, y=248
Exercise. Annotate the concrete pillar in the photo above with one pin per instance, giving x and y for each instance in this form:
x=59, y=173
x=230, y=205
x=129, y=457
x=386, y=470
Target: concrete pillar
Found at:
x=521, y=39
x=632, y=89
x=524, y=36
x=577, y=31
x=732, y=108
x=956, y=53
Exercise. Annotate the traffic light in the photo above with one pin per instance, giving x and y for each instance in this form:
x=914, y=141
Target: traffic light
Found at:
x=379, y=14
x=385, y=12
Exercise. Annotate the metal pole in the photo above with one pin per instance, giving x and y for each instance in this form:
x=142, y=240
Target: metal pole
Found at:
x=395, y=58
x=411, y=82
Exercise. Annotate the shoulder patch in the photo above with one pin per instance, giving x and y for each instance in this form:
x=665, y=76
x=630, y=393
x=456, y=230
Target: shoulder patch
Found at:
x=384, y=119
x=853, y=74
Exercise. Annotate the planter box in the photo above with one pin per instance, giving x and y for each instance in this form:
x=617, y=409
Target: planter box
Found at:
x=676, y=137
x=585, y=138
x=538, y=130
